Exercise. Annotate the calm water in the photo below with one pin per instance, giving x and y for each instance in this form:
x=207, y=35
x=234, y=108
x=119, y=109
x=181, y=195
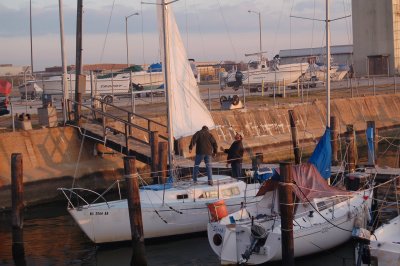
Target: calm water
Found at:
x=51, y=237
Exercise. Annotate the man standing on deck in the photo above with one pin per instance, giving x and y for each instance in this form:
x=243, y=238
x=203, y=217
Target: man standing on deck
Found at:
x=206, y=146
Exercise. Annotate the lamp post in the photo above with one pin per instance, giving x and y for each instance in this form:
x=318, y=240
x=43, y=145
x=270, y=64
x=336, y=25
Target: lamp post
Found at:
x=259, y=24
x=126, y=36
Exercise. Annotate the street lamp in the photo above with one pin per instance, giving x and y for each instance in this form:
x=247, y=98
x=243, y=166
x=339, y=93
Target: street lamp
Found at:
x=126, y=34
x=259, y=24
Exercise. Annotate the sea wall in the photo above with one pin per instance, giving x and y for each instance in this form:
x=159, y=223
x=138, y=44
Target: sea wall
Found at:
x=58, y=154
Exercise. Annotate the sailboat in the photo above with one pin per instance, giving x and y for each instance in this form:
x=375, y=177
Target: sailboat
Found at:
x=178, y=207
x=380, y=248
x=324, y=216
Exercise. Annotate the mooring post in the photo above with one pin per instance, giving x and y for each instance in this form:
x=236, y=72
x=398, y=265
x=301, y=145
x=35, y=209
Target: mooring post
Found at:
x=154, y=156
x=373, y=84
x=135, y=212
x=286, y=209
x=371, y=137
x=17, y=201
x=163, y=158
x=295, y=141
x=350, y=158
x=334, y=140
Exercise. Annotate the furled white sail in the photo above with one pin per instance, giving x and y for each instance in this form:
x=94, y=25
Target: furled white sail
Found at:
x=187, y=110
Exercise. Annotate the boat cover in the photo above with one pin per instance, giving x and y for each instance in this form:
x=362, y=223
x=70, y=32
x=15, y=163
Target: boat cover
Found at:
x=322, y=155
x=309, y=184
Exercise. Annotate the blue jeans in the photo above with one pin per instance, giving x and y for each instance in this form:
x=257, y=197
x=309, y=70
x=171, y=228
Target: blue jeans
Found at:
x=197, y=161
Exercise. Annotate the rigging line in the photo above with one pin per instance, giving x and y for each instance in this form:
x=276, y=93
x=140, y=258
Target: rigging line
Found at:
x=142, y=30
x=227, y=30
x=318, y=210
x=200, y=32
x=108, y=28
x=278, y=26
x=348, y=28
x=79, y=158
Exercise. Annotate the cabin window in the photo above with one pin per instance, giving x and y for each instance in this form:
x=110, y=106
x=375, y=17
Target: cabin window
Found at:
x=233, y=191
x=182, y=196
x=209, y=194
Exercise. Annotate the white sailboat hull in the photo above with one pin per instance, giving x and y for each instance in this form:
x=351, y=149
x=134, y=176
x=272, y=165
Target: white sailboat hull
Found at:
x=311, y=234
x=385, y=244
x=110, y=222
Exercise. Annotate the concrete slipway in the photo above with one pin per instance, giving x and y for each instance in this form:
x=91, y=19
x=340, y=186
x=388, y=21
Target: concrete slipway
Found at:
x=50, y=155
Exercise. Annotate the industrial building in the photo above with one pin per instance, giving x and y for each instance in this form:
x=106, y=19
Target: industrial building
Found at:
x=341, y=54
x=376, y=37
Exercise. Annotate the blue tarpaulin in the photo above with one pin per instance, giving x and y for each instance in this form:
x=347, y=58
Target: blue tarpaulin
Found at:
x=156, y=67
x=322, y=155
x=371, y=145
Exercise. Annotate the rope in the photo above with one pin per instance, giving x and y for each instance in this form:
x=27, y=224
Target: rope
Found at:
x=319, y=212
x=108, y=28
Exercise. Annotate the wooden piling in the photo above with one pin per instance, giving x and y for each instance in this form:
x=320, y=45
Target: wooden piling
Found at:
x=350, y=157
x=17, y=201
x=286, y=210
x=154, y=155
x=135, y=212
x=334, y=140
x=163, y=158
x=295, y=141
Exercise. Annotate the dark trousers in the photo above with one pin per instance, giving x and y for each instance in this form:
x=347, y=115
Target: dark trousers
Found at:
x=236, y=169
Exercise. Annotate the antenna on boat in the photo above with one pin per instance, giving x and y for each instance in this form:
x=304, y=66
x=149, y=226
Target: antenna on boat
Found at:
x=327, y=21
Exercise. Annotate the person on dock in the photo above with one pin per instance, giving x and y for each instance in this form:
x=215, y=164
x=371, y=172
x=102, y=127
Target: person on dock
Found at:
x=235, y=155
x=206, y=146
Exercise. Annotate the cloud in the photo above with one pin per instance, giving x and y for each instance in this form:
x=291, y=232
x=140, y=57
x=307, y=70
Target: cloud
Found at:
x=212, y=30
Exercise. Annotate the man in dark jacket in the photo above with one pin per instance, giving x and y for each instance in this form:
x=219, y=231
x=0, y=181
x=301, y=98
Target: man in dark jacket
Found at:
x=206, y=146
x=235, y=155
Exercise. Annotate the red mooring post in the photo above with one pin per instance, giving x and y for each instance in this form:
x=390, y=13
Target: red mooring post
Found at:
x=17, y=202
x=135, y=212
x=286, y=209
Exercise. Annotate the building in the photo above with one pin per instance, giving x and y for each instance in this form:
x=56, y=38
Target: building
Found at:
x=341, y=54
x=8, y=70
x=376, y=37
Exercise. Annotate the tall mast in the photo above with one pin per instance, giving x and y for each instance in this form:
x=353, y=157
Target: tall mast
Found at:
x=63, y=60
x=167, y=88
x=328, y=67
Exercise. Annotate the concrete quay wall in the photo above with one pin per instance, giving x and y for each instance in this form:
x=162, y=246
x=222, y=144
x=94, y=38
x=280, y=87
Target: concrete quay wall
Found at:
x=50, y=155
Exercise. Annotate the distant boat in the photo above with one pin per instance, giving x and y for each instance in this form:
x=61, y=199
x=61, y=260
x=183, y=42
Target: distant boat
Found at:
x=30, y=90
x=110, y=84
x=261, y=71
x=178, y=207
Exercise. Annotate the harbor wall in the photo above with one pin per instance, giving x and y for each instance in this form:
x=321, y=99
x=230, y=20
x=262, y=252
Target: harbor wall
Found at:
x=56, y=155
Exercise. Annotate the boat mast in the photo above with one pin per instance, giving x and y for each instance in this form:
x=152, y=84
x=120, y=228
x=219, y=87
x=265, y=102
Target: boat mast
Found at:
x=64, y=61
x=328, y=67
x=167, y=89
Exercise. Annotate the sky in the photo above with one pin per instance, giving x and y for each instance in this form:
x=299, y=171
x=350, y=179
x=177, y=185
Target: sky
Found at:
x=212, y=30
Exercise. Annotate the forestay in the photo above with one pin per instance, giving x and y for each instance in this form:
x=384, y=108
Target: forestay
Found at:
x=188, y=111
